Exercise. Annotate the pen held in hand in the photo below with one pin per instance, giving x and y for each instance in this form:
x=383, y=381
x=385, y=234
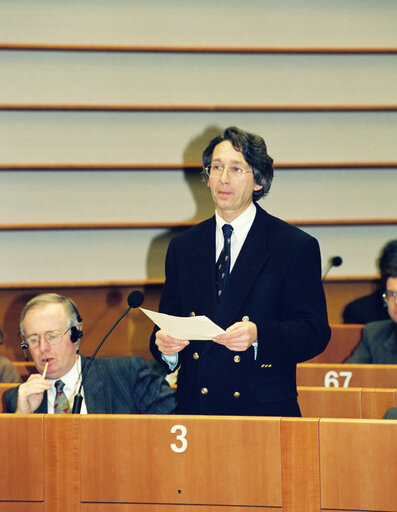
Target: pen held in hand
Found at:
x=45, y=370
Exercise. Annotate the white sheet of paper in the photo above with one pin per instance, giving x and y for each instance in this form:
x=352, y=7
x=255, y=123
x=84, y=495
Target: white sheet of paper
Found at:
x=185, y=328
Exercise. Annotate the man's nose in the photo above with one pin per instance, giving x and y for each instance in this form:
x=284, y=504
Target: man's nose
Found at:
x=225, y=178
x=43, y=344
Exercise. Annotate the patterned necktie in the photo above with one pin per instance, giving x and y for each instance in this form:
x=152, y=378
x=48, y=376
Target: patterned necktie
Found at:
x=223, y=263
x=61, y=404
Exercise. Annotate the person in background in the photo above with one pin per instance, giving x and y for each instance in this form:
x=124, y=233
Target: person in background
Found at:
x=8, y=372
x=255, y=276
x=371, y=308
x=51, y=327
x=379, y=343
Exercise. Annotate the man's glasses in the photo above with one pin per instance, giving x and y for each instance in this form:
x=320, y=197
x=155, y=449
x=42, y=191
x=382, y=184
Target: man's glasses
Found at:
x=51, y=337
x=389, y=295
x=233, y=170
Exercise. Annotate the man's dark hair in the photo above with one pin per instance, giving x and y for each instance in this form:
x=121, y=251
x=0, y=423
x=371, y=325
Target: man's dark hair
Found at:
x=254, y=150
x=388, y=263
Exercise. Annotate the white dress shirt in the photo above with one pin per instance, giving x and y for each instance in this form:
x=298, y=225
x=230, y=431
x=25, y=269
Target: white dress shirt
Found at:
x=72, y=381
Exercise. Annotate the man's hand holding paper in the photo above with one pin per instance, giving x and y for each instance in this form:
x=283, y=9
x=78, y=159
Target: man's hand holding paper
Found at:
x=175, y=331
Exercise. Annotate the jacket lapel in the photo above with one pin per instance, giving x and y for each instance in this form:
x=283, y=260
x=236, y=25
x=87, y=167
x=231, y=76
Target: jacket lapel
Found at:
x=203, y=264
x=94, y=391
x=250, y=261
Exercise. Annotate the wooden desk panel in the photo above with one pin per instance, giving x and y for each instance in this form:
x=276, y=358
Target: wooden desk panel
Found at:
x=330, y=402
x=358, y=465
x=20, y=506
x=375, y=402
x=21, y=449
x=344, y=339
x=347, y=375
x=300, y=465
x=62, y=462
x=228, y=460
x=150, y=507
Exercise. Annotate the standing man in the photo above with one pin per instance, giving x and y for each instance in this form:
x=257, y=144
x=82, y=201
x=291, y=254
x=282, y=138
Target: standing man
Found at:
x=258, y=277
x=51, y=327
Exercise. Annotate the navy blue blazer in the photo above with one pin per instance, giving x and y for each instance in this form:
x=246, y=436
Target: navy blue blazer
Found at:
x=118, y=385
x=276, y=282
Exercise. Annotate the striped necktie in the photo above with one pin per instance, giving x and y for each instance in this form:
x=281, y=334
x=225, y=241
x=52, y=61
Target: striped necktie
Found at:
x=61, y=404
x=223, y=263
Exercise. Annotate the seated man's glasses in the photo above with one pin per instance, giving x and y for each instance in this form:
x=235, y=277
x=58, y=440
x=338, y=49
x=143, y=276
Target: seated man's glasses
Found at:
x=389, y=295
x=51, y=337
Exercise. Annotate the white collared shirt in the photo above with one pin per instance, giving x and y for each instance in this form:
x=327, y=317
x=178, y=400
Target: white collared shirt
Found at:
x=241, y=226
x=72, y=381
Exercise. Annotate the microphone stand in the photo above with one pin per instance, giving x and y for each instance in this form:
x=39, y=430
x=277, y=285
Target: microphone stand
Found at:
x=135, y=299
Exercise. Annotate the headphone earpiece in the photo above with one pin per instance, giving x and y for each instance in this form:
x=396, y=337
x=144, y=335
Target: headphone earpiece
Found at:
x=24, y=347
x=75, y=334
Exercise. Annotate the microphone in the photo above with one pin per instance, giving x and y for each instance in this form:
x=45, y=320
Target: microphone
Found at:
x=335, y=261
x=135, y=299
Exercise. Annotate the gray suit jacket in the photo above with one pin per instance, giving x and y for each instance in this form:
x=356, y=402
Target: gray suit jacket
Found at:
x=379, y=344
x=117, y=385
x=391, y=414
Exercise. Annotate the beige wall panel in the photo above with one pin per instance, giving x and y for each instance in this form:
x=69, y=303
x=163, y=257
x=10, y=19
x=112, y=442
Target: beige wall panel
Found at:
x=359, y=247
x=128, y=255
x=197, y=79
x=136, y=196
x=275, y=23
x=139, y=196
x=57, y=256
x=334, y=194
x=111, y=137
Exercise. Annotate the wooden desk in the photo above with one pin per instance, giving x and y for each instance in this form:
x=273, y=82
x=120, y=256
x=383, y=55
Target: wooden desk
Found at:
x=347, y=375
x=358, y=465
x=101, y=463
x=344, y=339
x=25, y=369
x=362, y=403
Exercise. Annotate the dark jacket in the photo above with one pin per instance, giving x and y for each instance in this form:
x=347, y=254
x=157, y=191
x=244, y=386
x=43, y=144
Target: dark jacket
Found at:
x=363, y=310
x=276, y=282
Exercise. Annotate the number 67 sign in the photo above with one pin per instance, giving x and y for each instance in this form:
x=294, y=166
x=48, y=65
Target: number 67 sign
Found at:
x=331, y=379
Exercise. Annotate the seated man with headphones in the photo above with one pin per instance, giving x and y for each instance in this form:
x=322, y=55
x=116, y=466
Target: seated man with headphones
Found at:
x=51, y=327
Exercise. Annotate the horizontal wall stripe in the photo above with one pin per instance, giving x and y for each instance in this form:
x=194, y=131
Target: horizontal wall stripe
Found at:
x=181, y=225
x=95, y=48
x=189, y=167
x=198, y=108
x=145, y=282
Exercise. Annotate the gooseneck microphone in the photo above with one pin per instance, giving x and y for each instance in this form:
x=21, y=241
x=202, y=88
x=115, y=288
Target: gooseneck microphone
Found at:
x=335, y=261
x=135, y=299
